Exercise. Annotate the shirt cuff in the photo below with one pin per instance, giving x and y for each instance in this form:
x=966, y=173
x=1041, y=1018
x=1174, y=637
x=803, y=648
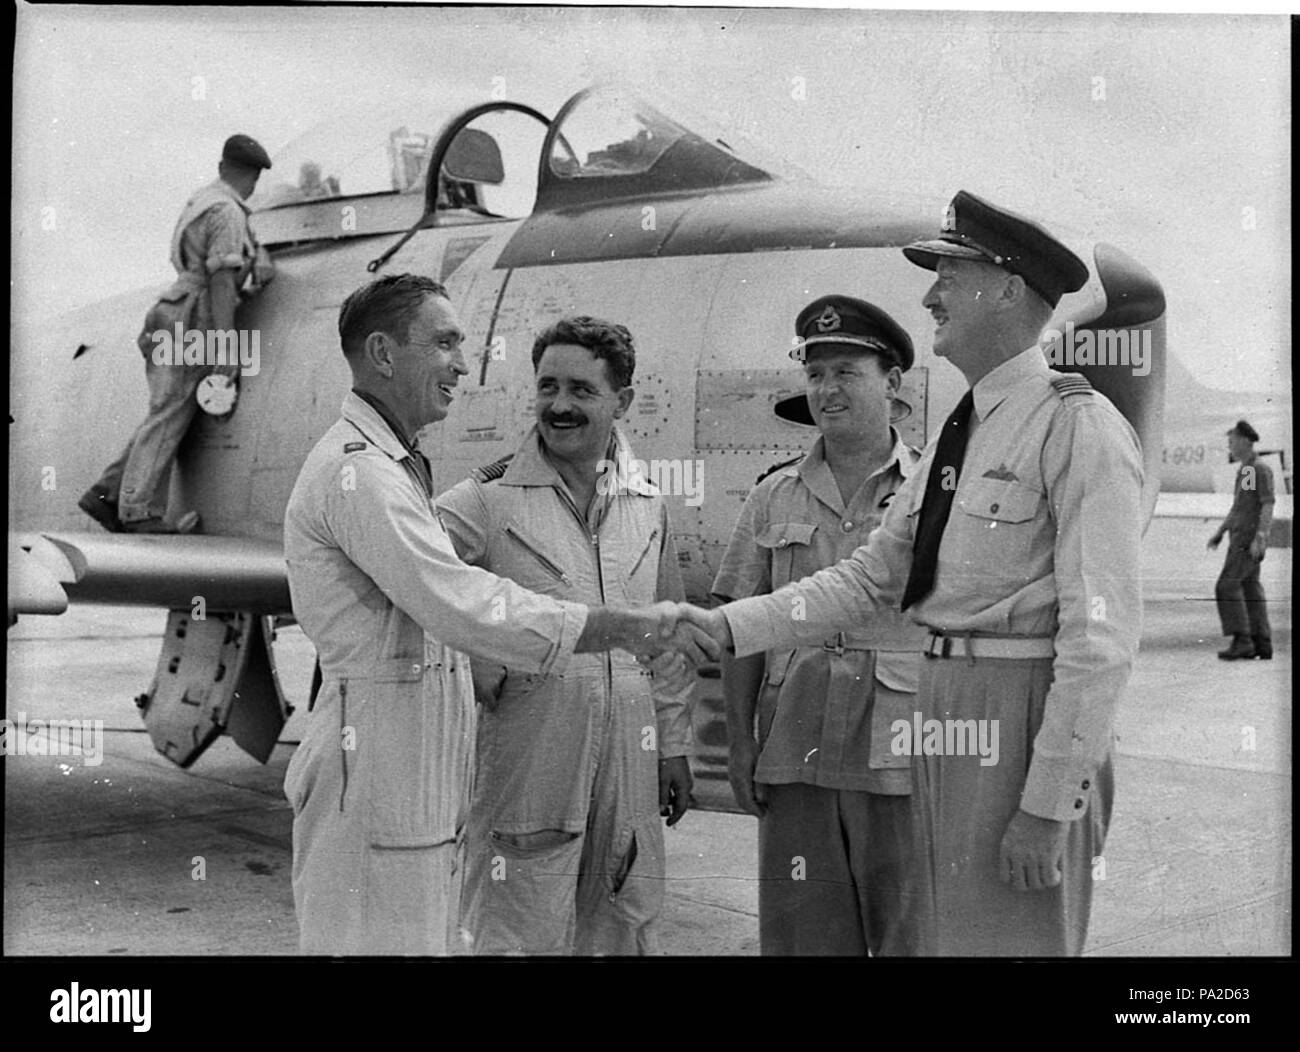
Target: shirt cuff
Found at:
x=575, y=620
x=1058, y=787
x=752, y=631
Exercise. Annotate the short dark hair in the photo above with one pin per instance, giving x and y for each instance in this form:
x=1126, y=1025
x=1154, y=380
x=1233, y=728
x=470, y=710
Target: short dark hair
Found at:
x=387, y=305
x=611, y=343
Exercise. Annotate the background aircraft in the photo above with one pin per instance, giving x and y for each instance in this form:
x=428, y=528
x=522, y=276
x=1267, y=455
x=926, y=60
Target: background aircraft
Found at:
x=697, y=241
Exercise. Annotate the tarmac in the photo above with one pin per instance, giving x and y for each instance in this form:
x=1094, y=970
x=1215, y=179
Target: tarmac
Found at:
x=135, y=856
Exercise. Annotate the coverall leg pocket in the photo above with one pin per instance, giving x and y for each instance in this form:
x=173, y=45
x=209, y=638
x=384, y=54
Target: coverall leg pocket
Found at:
x=621, y=906
x=521, y=891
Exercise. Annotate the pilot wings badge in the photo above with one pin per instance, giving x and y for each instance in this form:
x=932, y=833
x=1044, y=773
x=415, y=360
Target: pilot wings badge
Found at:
x=1001, y=473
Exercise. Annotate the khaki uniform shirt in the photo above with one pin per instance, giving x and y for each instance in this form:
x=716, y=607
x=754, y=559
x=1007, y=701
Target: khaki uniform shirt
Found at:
x=211, y=234
x=825, y=710
x=1251, y=490
x=1042, y=541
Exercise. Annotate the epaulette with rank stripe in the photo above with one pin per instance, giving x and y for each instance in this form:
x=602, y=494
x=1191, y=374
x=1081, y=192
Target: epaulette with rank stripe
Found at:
x=1069, y=385
x=492, y=472
x=778, y=467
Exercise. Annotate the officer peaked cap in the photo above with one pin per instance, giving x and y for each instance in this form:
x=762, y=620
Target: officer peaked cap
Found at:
x=852, y=324
x=974, y=229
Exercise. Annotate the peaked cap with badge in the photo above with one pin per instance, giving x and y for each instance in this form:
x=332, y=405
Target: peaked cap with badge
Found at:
x=854, y=323
x=975, y=229
x=848, y=323
x=1242, y=428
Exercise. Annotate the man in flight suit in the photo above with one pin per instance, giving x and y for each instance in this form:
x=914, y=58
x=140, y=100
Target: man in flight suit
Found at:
x=381, y=784
x=1016, y=545
x=214, y=253
x=821, y=776
x=565, y=848
x=1243, y=611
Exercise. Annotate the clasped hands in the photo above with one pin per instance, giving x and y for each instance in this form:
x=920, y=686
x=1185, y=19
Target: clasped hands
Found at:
x=672, y=637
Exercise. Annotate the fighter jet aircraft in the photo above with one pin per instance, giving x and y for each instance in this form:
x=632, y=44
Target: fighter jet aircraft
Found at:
x=619, y=207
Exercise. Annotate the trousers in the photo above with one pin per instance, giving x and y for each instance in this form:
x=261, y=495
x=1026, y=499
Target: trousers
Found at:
x=565, y=846
x=137, y=480
x=961, y=808
x=1240, y=596
x=833, y=873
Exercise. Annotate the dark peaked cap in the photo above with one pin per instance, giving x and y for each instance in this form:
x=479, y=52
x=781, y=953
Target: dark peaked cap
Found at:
x=974, y=229
x=1244, y=430
x=854, y=324
x=245, y=150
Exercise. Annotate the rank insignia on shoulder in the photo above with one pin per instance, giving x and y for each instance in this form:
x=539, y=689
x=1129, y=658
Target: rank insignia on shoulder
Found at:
x=353, y=447
x=492, y=472
x=777, y=467
x=1071, y=384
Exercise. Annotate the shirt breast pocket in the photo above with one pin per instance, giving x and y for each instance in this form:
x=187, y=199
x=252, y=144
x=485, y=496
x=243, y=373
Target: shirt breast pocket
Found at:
x=789, y=544
x=1001, y=514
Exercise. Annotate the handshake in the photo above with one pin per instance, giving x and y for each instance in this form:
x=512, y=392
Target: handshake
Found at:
x=696, y=634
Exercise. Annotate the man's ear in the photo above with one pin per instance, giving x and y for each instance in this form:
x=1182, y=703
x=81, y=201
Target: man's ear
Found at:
x=894, y=379
x=1013, y=291
x=378, y=353
x=625, y=397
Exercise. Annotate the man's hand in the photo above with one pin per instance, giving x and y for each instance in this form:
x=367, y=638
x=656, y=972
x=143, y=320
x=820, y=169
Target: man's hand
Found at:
x=675, y=629
x=674, y=788
x=1257, y=548
x=1032, y=851
x=742, y=759
x=646, y=632
x=263, y=270
x=710, y=621
x=488, y=679
x=1213, y=542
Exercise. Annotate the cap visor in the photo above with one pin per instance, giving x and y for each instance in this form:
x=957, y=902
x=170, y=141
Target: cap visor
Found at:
x=852, y=343
x=926, y=253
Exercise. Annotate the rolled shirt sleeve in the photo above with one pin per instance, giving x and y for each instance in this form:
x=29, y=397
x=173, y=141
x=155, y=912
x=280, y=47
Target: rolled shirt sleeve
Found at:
x=386, y=526
x=224, y=236
x=1094, y=470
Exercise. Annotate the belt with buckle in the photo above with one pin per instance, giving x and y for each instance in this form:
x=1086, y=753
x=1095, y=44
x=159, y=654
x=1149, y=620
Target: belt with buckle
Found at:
x=938, y=645
x=839, y=649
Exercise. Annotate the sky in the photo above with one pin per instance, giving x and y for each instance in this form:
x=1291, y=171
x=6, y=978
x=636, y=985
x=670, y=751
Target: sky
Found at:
x=1167, y=135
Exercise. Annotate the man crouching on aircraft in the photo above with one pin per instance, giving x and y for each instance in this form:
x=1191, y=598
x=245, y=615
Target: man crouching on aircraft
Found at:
x=380, y=784
x=565, y=848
